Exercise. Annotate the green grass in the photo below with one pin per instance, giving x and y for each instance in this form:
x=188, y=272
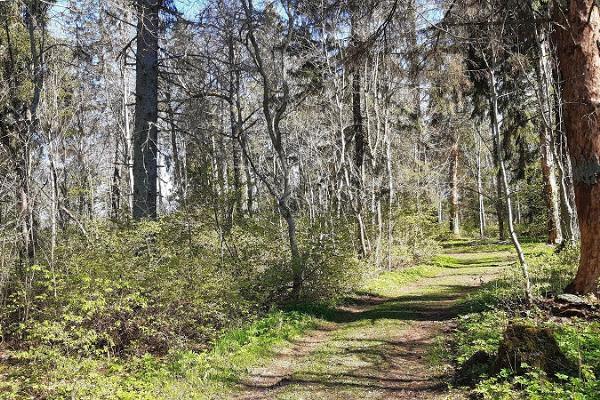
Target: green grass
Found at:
x=392, y=284
x=45, y=372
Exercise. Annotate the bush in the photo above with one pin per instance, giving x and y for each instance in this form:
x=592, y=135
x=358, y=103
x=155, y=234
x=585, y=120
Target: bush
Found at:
x=156, y=286
x=119, y=304
x=416, y=239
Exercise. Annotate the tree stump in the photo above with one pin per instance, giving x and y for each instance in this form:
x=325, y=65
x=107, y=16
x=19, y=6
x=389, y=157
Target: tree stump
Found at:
x=533, y=346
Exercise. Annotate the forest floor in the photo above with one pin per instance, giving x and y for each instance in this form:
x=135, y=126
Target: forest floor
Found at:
x=380, y=345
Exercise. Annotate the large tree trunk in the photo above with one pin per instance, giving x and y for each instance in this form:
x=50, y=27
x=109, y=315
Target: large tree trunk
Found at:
x=359, y=154
x=577, y=42
x=359, y=132
x=358, y=129
x=145, y=135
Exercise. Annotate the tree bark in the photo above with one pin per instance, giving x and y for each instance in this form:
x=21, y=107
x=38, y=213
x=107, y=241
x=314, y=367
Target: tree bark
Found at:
x=579, y=62
x=145, y=135
x=550, y=187
x=500, y=210
x=454, y=218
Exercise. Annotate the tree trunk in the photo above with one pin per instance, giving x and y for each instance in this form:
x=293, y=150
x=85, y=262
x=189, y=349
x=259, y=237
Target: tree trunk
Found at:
x=563, y=163
x=238, y=183
x=500, y=210
x=297, y=266
x=579, y=64
x=505, y=185
x=145, y=135
x=359, y=154
x=480, y=192
x=454, y=218
x=548, y=164
x=550, y=187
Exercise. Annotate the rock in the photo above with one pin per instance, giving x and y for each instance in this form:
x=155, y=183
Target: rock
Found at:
x=533, y=346
x=572, y=299
x=470, y=372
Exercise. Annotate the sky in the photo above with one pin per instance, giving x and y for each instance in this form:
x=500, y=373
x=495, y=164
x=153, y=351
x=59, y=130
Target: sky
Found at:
x=189, y=8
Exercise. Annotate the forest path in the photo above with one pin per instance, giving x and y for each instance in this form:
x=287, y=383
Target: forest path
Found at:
x=376, y=347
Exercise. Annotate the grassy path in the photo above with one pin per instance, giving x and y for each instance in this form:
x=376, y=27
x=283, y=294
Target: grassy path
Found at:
x=377, y=347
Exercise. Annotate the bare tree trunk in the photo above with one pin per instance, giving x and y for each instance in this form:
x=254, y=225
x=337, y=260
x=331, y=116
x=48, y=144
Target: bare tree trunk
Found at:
x=551, y=189
x=565, y=168
x=577, y=40
x=177, y=167
x=128, y=139
x=145, y=135
x=567, y=190
x=454, y=217
x=505, y=184
x=359, y=153
x=115, y=185
x=251, y=190
x=274, y=109
x=390, y=177
x=480, y=191
x=500, y=210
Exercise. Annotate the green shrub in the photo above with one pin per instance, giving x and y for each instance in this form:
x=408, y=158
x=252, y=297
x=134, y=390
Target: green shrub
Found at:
x=416, y=239
x=117, y=305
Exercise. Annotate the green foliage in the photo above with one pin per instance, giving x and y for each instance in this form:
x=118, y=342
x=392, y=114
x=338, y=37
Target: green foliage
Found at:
x=578, y=339
x=416, y=239
x=139, y=311
x=331, y=268
x=551, y=272
x=49, y=373
x=479, y=332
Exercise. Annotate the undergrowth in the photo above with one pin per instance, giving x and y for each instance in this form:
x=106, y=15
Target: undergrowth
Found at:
x=125, y=305
x=48, y=373
x=500, y=302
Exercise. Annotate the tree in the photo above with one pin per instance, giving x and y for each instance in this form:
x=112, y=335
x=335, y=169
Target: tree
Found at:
x=145, y=135
x=577, y=37
x=23, y=64
x=276, y=98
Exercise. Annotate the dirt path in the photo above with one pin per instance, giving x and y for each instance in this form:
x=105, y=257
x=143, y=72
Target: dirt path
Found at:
x=377, y=348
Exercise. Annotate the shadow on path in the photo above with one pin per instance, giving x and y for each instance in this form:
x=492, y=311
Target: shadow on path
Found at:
x=373, y=347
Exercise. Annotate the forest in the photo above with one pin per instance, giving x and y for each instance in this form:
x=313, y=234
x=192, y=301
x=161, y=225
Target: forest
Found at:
x=299, y=199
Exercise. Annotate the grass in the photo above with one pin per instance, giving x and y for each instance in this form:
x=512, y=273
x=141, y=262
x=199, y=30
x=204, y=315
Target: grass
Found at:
x=234, y=353
x=392, y=284
x=361, y=356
